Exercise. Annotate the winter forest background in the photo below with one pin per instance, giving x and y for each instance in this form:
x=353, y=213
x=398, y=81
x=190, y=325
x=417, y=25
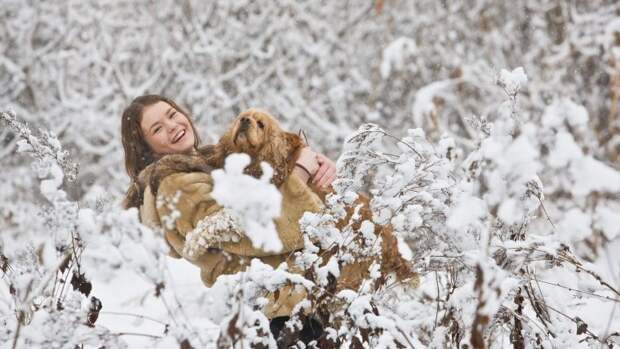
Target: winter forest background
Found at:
x=487, y=133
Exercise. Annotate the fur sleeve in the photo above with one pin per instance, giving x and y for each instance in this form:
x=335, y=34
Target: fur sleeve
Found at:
x=185, y=206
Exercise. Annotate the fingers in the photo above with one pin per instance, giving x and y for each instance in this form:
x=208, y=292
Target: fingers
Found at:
x=326, y=172
x=320, y=174
x=327, y=179
x=325, y=175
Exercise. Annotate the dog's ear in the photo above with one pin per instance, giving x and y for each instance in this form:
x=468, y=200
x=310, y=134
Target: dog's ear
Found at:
x=219, y=152
x=281, y=152
x=294, y=144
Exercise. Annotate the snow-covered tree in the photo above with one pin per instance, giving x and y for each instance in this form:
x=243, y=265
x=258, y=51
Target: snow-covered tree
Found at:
x=501, y=184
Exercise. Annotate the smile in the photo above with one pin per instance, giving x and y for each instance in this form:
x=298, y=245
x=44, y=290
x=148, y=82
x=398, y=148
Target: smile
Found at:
x=178, y=136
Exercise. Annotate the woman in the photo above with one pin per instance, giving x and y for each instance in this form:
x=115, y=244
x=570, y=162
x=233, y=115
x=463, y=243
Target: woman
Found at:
x=154, y=126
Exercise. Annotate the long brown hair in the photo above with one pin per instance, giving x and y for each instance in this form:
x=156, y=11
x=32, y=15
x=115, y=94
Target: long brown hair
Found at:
x=138, y=154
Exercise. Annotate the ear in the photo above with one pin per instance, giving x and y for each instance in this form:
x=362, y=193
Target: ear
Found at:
x=220, y=151
x=294, y=144
x=282, y=152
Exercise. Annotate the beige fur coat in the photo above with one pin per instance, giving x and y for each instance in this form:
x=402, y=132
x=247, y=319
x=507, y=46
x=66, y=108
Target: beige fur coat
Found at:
x=183, y=207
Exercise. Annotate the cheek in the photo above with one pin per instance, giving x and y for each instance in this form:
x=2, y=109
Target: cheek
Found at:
x=156, y=140
x=192, y=138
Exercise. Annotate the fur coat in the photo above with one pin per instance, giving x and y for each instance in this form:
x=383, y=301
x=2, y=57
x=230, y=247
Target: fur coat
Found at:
x=199, y=230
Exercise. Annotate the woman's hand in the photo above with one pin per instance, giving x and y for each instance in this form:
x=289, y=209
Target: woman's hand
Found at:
x=326, y=173
x=316, y=166
x=307, y=164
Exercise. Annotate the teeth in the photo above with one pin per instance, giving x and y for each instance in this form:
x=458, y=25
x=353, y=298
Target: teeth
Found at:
x=179, y=135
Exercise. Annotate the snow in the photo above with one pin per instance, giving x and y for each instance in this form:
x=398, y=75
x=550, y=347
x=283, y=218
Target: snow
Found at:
x=514, y=171
x=467, y=211
x=396, y=54
x=255, y=201
x=564, y=151
x=423, y=105
x=575, y=226
x=591, y=175
x=565, y=110
x=403, y=248
x=606, y=219
x=512, y=81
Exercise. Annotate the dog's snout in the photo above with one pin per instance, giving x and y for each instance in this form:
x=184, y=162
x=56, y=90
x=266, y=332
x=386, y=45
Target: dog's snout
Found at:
x=244, y=124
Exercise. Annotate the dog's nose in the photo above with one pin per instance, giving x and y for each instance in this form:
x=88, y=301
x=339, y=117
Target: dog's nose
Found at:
x=245, y=124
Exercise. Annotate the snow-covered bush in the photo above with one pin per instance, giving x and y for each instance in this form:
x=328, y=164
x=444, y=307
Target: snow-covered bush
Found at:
x=508, y=212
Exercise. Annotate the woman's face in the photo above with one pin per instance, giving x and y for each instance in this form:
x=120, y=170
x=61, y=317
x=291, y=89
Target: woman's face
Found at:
x=166, y=130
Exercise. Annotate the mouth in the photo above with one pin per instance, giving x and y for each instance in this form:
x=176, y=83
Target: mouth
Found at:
x=241, y=129
x=178, y=136
x=237, y=134
x=242, y=135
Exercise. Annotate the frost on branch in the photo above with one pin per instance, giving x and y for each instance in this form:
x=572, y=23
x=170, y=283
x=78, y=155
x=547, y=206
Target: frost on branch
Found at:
x=512, y=81
x=46, y=279
x=246, y=294
x=478, y=232
x=37, y=276
x=43, y=147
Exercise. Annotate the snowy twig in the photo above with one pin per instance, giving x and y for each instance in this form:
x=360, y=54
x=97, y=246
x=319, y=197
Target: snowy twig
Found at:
x=42, y=148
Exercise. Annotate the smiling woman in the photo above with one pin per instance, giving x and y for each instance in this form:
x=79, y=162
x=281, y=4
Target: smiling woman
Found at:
x=164, y=159
x=166, y=130
x=149, y=126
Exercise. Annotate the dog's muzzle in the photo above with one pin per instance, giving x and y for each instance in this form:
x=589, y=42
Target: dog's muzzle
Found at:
x=245, y=125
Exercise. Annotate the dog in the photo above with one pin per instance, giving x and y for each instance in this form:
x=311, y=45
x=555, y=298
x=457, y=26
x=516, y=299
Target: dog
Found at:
x=259, y=135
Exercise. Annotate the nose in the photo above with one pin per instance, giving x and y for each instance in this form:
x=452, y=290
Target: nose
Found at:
x=171, y=125
x=170, y=128
x=245, y=124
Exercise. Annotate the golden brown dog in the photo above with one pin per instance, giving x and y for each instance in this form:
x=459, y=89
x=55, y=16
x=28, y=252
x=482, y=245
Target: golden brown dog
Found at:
x=259, y=135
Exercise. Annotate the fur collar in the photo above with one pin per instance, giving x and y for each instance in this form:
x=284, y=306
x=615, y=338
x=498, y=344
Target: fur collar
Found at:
x=152, y=175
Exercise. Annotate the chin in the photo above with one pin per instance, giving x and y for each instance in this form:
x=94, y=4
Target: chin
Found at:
x=185, y=147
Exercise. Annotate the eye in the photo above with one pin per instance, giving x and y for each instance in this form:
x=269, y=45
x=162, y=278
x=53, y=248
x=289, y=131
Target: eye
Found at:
x=156, y=130
x=173, y=115
x=260, y=124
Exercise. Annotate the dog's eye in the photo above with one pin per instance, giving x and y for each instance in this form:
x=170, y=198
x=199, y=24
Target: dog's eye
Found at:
x=260, y=124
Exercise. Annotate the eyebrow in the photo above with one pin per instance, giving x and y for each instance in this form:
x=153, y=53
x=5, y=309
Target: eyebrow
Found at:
x=170, y=110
